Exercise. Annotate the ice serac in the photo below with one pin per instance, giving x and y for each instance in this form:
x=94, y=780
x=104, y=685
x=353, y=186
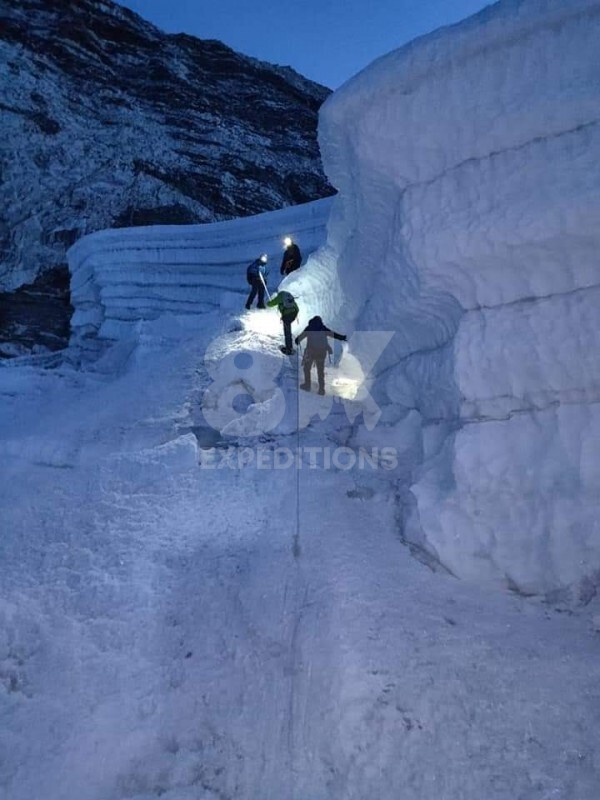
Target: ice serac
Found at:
x=468, y=221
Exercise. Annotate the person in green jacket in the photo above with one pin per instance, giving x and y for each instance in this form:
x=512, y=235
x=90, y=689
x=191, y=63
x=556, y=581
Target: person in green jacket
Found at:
x=288, y=308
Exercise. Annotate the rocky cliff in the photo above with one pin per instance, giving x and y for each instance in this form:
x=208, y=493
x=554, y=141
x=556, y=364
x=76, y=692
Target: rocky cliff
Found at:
x=108, y=122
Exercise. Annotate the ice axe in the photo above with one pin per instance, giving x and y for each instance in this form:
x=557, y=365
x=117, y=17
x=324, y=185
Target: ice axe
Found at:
x=265, y=285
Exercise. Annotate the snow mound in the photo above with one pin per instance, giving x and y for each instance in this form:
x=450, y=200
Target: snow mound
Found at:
x=156, y=463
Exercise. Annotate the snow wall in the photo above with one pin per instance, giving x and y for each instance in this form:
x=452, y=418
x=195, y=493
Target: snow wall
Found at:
x=468, y=221
x=124, y=277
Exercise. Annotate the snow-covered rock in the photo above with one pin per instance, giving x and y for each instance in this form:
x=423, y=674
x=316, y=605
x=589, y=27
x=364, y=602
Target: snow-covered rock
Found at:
x=468, y=221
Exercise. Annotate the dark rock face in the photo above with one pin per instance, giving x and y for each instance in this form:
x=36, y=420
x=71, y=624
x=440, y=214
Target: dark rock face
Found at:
x=106, y=121
x=37, y=316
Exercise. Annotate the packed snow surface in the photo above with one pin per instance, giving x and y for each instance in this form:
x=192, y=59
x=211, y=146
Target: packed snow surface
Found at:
x=209, y=587
x=170, y=630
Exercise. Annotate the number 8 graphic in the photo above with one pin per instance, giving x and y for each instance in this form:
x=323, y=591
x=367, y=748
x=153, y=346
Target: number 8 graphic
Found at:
x=238, y=373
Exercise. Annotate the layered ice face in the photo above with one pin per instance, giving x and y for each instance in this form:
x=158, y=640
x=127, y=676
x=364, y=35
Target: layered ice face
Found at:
x=468, y=221
x=123, y=278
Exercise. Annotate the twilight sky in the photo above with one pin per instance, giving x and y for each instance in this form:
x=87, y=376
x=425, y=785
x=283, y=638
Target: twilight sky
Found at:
x=326, y=40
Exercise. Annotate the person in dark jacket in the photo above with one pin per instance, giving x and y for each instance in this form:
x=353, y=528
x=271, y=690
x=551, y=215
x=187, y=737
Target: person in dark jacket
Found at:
x=317, y=348
x=256, y=275
x=292, y=257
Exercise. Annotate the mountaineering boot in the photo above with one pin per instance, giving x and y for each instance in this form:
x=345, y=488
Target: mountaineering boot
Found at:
x=321, y=390
x=305, y=386
x=287, y=351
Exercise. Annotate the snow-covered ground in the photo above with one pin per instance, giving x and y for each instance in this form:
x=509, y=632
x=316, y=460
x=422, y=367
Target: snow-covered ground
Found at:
x=216, y=586
x=170, y=631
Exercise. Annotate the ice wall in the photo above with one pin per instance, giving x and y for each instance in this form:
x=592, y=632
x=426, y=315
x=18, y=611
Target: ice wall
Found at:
x=123, y=277
x=468, y=221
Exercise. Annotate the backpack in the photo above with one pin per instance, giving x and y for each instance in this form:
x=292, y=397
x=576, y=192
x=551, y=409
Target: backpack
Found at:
x=252, y=272
x=288, y=306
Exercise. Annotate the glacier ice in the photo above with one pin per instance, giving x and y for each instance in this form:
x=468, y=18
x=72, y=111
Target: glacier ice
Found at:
x=468, y=220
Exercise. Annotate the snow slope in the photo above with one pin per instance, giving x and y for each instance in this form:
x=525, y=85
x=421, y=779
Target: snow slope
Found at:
x=168, y=631
x=109, y=122
x=466, y=226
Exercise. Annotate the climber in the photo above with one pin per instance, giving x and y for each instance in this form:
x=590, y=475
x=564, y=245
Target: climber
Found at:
x=292, y=257
x=317, y=349
x=256, y=276
x=288, y=308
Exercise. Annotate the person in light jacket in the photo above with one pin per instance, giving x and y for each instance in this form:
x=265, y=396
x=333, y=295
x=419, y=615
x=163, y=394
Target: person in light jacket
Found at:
x=317, y=348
